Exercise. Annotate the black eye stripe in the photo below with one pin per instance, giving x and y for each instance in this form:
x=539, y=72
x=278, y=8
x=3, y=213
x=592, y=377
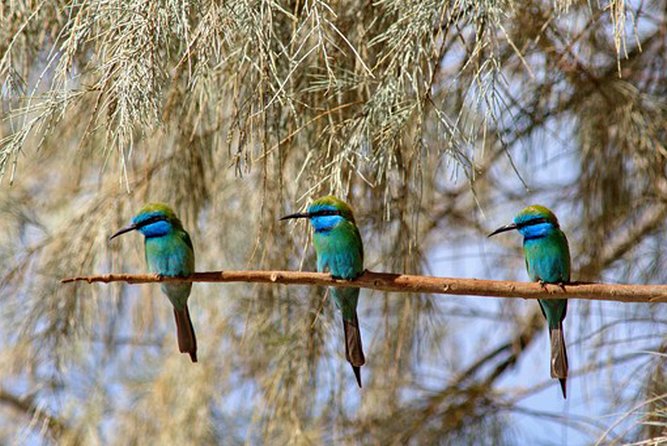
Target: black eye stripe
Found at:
x=534, y=221
x=151, y=220
x=325, y=212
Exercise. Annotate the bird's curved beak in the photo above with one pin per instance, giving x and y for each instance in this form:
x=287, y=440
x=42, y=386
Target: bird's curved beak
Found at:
x=122, y=231
x=297, y=215
x=505, y=228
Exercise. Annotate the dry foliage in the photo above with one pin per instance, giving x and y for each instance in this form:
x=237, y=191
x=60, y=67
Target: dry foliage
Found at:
x=436, y=119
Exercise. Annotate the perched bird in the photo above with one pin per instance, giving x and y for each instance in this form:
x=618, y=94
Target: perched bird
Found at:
x=169, y=252
x=548, y=261
x=340, y=251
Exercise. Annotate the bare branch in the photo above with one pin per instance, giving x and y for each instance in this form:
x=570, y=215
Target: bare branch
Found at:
x=404, y=283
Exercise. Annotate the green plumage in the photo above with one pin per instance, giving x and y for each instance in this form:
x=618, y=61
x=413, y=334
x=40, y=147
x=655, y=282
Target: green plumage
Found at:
x=340, y=252
x=547, y=257
x=169, y=252
x=172, y=255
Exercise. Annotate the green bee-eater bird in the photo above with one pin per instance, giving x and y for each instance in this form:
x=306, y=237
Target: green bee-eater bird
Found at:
x=340, y=251
x=169, y=252
x=548, y=261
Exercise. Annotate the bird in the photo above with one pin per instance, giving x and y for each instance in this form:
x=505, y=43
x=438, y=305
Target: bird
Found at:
x=169, y=253
x=340, y=251
x=547, y=257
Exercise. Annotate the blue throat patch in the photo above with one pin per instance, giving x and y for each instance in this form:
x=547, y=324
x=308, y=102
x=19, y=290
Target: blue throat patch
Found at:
x=158, y=229
x=325, y=223
x=538, y=230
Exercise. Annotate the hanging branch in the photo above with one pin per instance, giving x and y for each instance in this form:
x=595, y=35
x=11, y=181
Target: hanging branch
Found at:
x=403, y=283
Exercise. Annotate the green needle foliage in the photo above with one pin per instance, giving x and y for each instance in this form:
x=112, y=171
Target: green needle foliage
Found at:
x=436, y=120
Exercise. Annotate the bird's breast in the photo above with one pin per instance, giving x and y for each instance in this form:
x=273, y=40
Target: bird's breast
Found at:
x=339, y=255
x=168, y=257
x=546, y=260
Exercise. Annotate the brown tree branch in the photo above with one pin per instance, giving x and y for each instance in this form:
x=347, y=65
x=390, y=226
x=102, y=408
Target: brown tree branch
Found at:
x=404, y=283
x=28, y=406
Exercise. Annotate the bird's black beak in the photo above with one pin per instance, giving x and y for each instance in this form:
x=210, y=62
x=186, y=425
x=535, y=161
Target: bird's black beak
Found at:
x=297, y=215
x=122, y=231
x=505, y=228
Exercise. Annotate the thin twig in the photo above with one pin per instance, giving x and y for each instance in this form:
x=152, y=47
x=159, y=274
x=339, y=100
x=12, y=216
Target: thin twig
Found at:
x=28, y=406
x=404, y=283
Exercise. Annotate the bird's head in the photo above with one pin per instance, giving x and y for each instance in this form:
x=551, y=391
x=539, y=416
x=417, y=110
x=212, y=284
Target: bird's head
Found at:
x=152, y=220
x=532, y=221
x=325, y=213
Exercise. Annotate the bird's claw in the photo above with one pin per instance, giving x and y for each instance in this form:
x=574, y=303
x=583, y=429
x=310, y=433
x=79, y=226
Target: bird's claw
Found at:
x=560, y=285
x=159, y=276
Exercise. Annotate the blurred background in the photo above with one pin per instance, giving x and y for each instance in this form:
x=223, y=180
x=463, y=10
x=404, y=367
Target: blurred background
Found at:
x=437, y=120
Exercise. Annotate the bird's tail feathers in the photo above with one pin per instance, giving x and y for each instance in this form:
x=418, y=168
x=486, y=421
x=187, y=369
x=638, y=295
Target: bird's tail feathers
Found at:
x=187, y=342
x=354, y=352
x=559, y=365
